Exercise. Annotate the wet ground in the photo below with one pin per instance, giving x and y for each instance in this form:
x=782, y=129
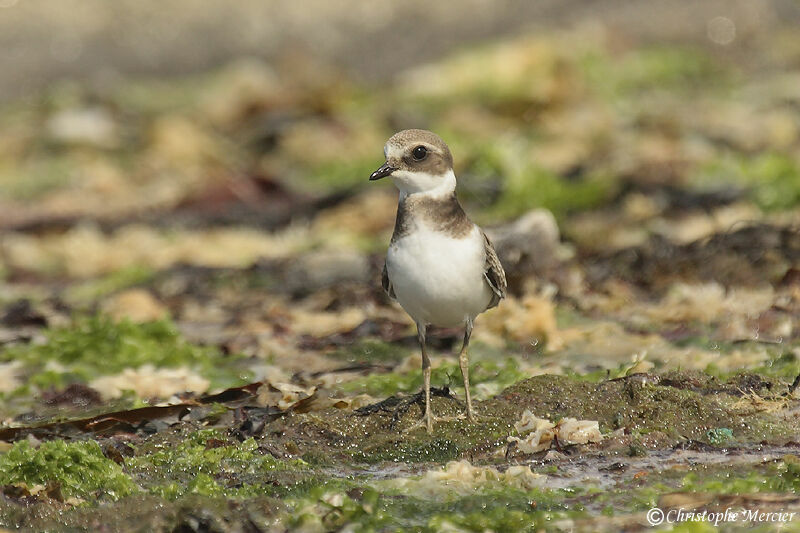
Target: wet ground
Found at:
x=193, y=334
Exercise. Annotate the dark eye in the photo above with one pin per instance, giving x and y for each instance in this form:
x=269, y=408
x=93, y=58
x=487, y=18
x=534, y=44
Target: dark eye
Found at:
x=419, y=153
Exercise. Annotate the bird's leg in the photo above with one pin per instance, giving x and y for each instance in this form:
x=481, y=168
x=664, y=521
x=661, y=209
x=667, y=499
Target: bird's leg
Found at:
x=426, y=376
x=463, y=361
x=428, y=419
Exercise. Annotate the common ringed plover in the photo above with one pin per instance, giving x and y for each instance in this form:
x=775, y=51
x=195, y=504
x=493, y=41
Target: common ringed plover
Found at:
x=440, y=267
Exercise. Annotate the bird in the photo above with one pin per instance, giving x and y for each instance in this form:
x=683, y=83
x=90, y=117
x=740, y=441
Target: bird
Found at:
x=440, y=266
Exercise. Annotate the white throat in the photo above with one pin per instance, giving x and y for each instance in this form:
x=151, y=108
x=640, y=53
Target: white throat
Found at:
x=423, y=183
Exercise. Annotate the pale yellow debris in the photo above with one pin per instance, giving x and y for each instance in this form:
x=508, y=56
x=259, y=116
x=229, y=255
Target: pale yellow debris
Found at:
x=148, y=381
x=136, y=305
x=538, y=433
x=461, y=477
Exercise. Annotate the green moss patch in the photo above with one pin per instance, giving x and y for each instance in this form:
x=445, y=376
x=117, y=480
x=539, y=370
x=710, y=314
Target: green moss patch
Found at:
x=772, y=179
x=669, y=67
x=206, y=462
x=98, y=346
x=144, y=512
x=495, y=509
x=781, y=476
x=533, y=186
x=682, y=405
x=654, y=412
x=79, y=468
x=786, y=366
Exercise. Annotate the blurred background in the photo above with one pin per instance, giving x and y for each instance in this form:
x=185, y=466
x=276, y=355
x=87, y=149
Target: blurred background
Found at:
x=97, y=42
x=114, y=110
x=636, y=163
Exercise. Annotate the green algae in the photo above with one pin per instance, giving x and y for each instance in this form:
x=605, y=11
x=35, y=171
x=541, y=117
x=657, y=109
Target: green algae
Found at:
x=634, y=492
x=672, y=67
x=781, y=476
x=340, y=173
x=772, y=179
x=719, y=436
x=202, y=484
x=36, y=177
x=653, y=68
x=362, y=513
x=205, y=462
x=494, y=507
x=145, y=512
x=96, y=346
x=494, y=518
x=79, y=468
x=533, y=186
x=785, y=365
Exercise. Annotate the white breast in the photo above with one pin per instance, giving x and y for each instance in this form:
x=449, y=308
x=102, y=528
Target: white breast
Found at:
x=439, y=279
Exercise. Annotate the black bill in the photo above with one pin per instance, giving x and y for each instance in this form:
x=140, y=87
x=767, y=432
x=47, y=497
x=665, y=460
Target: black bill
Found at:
x=382, y=172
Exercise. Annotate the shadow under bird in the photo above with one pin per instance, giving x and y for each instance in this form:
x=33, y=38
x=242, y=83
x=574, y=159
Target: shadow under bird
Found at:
x=440, y=266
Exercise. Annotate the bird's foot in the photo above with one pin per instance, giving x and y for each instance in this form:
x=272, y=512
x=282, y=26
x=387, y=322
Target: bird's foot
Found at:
x=470, y=416
x=418, y=398
x=428, y=422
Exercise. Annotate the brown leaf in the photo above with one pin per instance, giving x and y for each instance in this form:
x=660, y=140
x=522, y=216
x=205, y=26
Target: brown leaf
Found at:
x=126, y=421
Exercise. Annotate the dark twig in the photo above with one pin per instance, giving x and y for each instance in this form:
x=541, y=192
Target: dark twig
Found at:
x=399, y=406
x=794, y=385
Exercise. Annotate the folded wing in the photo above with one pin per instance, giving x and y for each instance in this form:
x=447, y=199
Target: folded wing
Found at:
x=493, y=273
x=387, y=283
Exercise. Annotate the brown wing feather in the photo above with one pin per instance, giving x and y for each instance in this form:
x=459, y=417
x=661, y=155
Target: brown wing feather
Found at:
x=387, y=283
x=494, y=274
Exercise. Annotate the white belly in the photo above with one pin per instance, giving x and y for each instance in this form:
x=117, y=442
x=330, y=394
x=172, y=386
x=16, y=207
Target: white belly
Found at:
x=437, y=279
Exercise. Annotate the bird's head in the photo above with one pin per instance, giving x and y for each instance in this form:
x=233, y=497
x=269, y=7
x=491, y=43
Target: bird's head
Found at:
x=418, y=161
